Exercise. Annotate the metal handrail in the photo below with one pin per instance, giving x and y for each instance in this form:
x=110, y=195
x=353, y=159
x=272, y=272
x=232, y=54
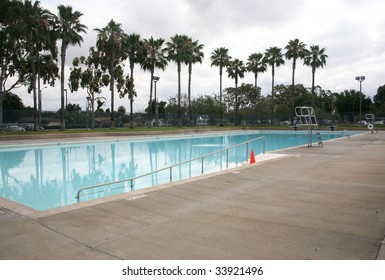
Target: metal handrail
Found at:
x=178, y=164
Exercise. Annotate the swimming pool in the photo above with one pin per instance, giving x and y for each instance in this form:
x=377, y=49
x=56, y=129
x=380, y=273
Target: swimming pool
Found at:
x=50, y=176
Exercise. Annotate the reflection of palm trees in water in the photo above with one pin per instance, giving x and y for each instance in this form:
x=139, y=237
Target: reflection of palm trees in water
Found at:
x=9, y=160
x=64, y=161
x=129, y=171
x=32, y=190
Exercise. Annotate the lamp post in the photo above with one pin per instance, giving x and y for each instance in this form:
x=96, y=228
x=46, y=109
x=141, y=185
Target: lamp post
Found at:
x=360, y=79
x=156, y=79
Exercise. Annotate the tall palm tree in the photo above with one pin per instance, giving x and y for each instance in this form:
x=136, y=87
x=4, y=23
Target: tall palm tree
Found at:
x=295, y=49
x=256, y=64
x=110, y=43
x=176, y=51
x=134, y=47
x=235, y=70
x=154, y=58
x=220, y=58
x=274, y=58
x=194, y=55
x=34, y=26
x=69, y=29
x=315, y=57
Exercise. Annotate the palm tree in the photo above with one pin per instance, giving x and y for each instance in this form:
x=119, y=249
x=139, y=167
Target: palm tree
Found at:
x=134, y=47
x=294, y=49
x=220, y=58
x=273, y=57
x=256, y=64
x=34, y=26
x=154, y=58
x=314, y=57
x=235, y=70
x=110, y=43
x=69, y=27
x=194, y=55
x=176, y=50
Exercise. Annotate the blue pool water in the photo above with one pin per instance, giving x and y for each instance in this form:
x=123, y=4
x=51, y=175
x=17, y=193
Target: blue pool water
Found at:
x=45, y=177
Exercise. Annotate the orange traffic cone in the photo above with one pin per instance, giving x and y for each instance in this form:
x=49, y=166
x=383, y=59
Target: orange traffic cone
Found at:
x=252, y=157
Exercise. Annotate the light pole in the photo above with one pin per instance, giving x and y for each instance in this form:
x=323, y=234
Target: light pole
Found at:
x=155, y=79
x=360, y=79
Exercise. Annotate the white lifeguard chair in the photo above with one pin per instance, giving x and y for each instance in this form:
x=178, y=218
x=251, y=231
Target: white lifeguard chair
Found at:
x=202, y=120
x=306, y=117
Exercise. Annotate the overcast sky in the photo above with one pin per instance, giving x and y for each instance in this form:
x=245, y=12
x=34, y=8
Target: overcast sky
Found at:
x=351, y=31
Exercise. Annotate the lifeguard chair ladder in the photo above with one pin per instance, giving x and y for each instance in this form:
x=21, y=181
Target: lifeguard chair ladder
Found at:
x=306, y=117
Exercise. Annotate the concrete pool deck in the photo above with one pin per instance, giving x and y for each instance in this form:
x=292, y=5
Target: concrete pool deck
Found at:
x=312, y=203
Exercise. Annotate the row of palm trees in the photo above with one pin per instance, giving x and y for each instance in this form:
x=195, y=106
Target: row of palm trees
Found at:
x=313, y=56
x=152, y=54
x=34, y=31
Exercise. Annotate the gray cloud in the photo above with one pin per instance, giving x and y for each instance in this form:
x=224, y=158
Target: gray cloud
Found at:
x=353, y=33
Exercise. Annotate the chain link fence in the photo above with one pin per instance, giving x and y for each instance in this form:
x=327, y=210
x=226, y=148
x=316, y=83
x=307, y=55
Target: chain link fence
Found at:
x=82, y=119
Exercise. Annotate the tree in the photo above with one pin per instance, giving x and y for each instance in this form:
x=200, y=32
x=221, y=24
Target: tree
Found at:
x=11, y=52
x=220, y=58
x=256, y=64
x=379, y=98
x=176, y=50
x=110, y=41
x=69, y=29
x=315, y=58
x=86, y=73
x=194, y=54
x=235, y=70
x=34, y=26
x=154, y=58
x=134, y=49
x=206, y=103
x=273, y=57
x=125, y=86
x=349, y=101
x=12, y=102
x=295, y=49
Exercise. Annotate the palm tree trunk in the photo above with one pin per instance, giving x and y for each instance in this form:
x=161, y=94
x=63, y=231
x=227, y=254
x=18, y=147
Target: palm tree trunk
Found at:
x=272, y=95
x=256, y=93
x=2, y=90
x=132, y=112
x=236, y=102
x=179, y=108
x=312, y=87
x=189, y=93
x=112, y=87
x=292, y=93
x=220, y=95
x=150, y=102
x=35, y=112
x=132, y=96
x=63, y=58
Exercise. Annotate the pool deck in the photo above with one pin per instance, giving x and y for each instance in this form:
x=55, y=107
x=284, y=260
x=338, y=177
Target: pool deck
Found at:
x=311, y=203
